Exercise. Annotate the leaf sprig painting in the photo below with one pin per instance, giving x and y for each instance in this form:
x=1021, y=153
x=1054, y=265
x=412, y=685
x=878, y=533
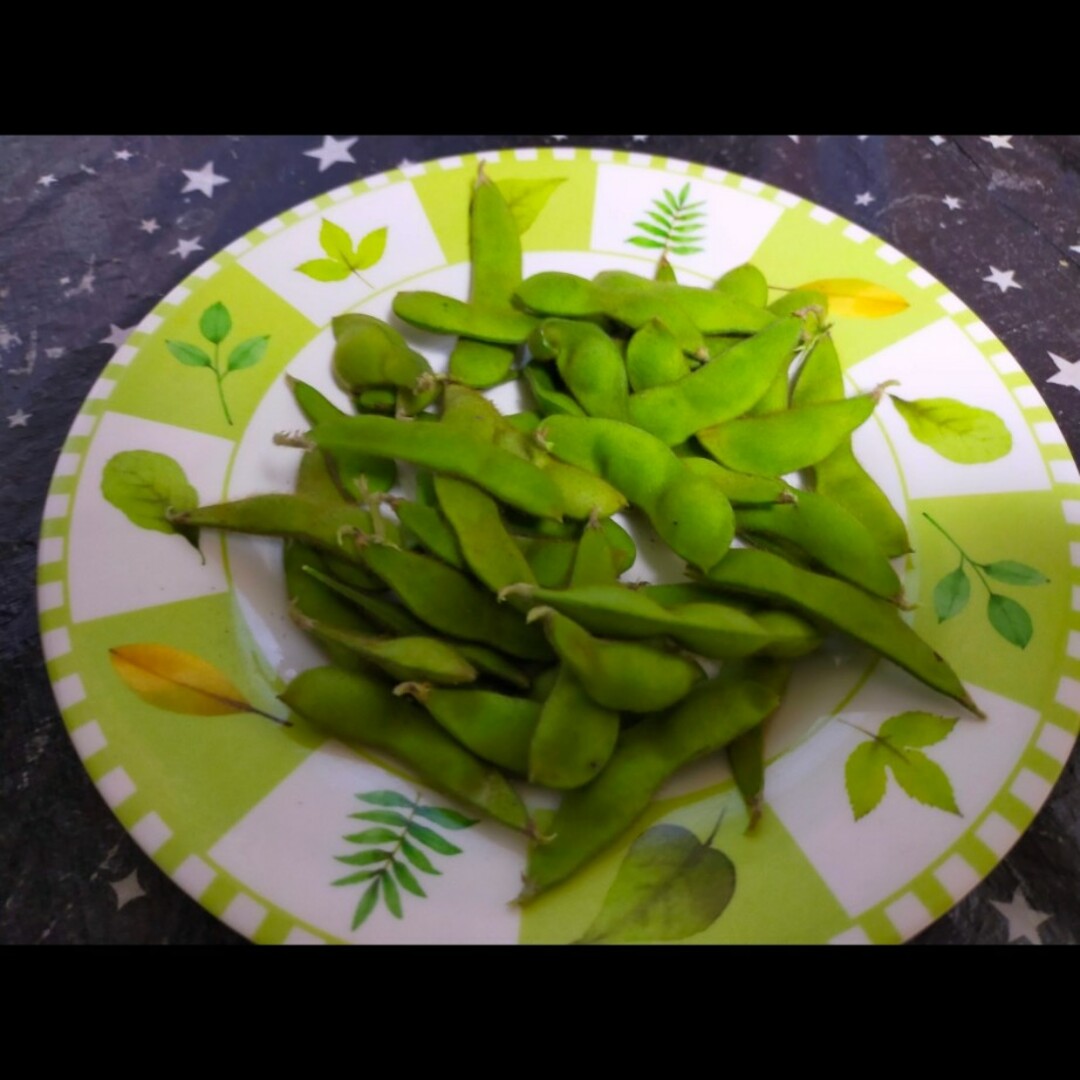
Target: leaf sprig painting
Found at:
x=674, y=226
x=215, y=326
x=342, y=256
x=393, y=847
x=1008, y=617
x=896, y=749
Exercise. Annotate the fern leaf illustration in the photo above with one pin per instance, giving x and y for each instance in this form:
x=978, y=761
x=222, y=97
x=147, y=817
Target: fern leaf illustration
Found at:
x=674, y=226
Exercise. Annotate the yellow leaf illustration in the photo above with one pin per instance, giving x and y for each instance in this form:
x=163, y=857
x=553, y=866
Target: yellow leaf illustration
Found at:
x=178, y=681
x=858, y=299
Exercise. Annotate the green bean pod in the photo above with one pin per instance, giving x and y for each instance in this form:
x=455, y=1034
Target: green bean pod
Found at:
x=592, y=818
x=747, y=283
x=444, y=315
x=866, y=618
x=361, y=711
x=589, y=362
x=549, y=398
x=653, y=358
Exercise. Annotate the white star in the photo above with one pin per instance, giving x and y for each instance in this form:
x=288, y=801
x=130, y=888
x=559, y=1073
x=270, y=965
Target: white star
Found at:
x=999, y=142
x=1068, y=374
x=204, y=180
x=1075, y=247
x=185, y=247
x=404, y=163
x=332, y=152
x=952, y=202
x=47, y=181
x=559, y=138
x=88, y=170
x=149, y=225
x=794, y=138
x=1024, y=922
x=1003, y=279
x=55, y=352
x=65, y=280
x=937, y=140
x=18, y=418
x=123, y=155
x=862, y=138
x=639, y=138
x=127, y=889
x=865, y=199
x=117, y=335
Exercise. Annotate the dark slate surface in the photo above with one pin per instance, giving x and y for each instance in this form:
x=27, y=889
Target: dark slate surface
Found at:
x=74, y=261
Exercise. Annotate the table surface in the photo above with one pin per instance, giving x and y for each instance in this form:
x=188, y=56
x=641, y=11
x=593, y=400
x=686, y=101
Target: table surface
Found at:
x=95, y=230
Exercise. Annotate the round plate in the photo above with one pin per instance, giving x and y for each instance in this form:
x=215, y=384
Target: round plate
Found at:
x=876, y=822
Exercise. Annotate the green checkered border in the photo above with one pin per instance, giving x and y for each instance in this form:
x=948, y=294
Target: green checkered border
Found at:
x=900, y=916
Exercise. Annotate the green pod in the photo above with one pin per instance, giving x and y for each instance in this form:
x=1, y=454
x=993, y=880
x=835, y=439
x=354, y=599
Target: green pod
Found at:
x=444, y=315
x=574, y=737
x=746, y=756
x=839, y=476
x=486, y=546
x=453, y=603
x=595, y=561
x=550, y=561
x=747, y=283
x=359, y=710
x=653, y=358
x=325, y=526
x=665, y=272
x=625, y=676
x=874, y=622
x=370, y=354
x=590, y=364
x=377, y=399
x=784, y=442
x=315, y=481
x=402, y=658
x=590, y=819
x=741, y=489
x=833, y=538
x=551, y=400
x=789, y=636
x=380, y=474
x=495, y=727
x=431, y=529
x=721, y=390
x=441, y=448
x=796, y=300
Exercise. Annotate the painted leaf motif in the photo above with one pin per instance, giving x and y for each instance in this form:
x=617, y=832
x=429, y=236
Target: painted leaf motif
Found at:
x=864, y=777
x=858, y=299
x=324, y=270
x=917, y=729
x=177, y=681
x=1014, y=573
x=432, y=839
x=191, y=355
x=670, y=886
x=642, y=241
x=335, y=241
x=386, y=798
x=924, y=780
x=373, y=836
x=526, y=198
x=419, y=859
x=1010, y=619
x=448, y=819
x=407, y=880
x=958, y=432
x=391, y=896
x=364, y=858
x=248, y=353
x=143, y=485
x=370, y=249
x=367, y=904
x=382, y=817
x=215, y=323
x=951, y=594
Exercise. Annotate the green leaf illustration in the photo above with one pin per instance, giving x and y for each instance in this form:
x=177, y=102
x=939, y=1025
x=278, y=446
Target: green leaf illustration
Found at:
x=675, y=226
x=191, y=355
x=343, y=259
x=526, y=198
x=324, y=270
x=916, y=729
x=958, y=432
x=390, y=870
x=335, y=241
x=367, y=904
x=144, y=485
x=894, y=749
x=215, y=324
x=951, y=594
x=1014, y=573
x=670, y=886
x=448, y=819
x=924, y=780
x=247, y=353
x=1010, y=619
x=865, y=778
x=370, y=249
x=387, y=798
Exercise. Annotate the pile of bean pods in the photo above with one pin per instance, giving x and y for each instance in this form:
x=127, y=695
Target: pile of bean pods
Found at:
x=480, y=631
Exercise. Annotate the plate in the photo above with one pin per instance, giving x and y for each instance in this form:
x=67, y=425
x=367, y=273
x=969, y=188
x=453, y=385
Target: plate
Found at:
x=876, y=824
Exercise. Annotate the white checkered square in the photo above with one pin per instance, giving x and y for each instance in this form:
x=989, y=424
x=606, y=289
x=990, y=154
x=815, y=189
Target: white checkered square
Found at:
x=998, y=834
x=908, y=914
x=151, y=833
x=1031, y=789
x=957, y=876
x=194, y=876
x=116, y=786
x=88, y=739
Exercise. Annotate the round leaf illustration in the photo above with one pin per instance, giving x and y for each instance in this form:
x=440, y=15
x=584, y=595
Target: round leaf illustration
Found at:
x=958, y=432
x=215, y=323
x=144, y=485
